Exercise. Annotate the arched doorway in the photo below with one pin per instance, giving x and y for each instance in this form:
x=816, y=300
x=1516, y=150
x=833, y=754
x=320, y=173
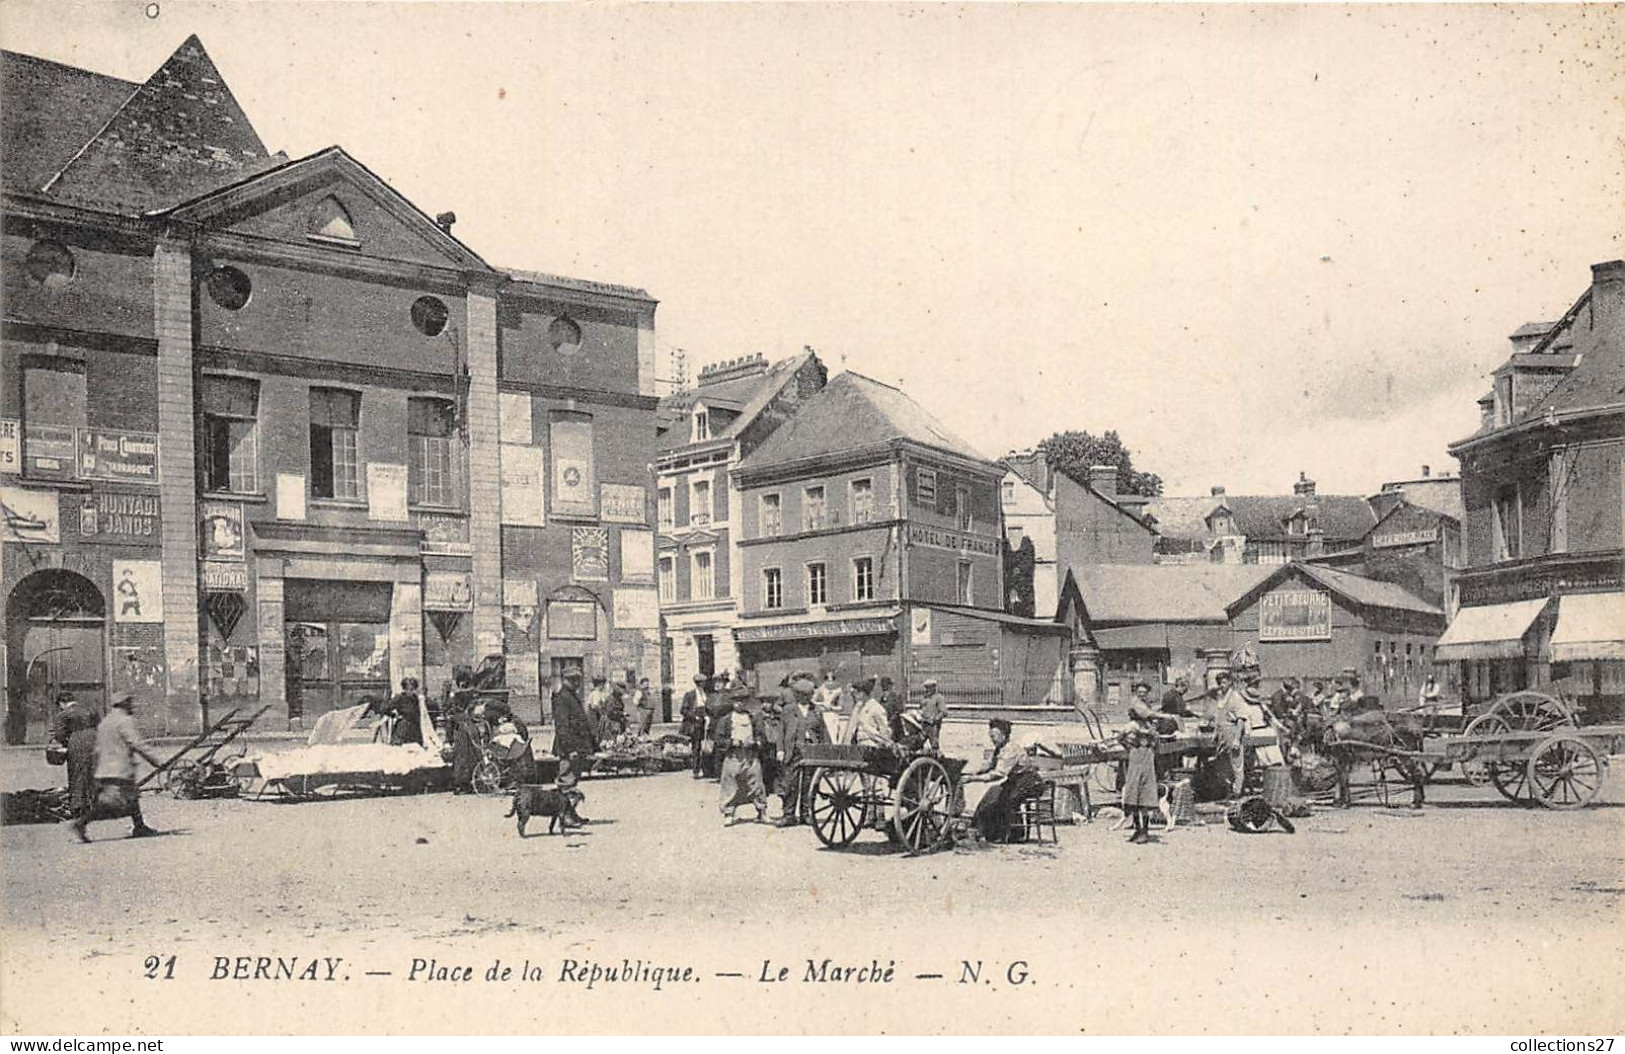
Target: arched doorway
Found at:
x=55, y=641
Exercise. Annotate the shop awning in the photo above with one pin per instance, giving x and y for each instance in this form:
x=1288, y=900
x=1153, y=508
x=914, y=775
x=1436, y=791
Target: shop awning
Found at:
x=869, y=623
x=1589, y=626
x=1493, y=631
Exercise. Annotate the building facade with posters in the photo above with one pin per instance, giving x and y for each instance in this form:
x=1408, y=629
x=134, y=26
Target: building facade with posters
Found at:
x=262, y=423
x=705, y=431
x=870, y=542
x=1540, y=601
x=1158, y=622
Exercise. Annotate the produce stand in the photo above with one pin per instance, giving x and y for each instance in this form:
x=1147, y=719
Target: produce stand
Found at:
x=341, y=757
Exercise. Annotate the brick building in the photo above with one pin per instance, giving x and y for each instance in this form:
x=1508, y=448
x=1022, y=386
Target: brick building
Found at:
x=705, y=431
x=870, y=542
x=1541, y=596
x=271, y=436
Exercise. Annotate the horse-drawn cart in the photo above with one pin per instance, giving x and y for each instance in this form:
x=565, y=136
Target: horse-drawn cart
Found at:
x=913, y=798
x=1531, y=747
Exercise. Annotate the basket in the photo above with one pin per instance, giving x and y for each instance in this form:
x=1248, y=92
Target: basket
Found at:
x=1182, y=802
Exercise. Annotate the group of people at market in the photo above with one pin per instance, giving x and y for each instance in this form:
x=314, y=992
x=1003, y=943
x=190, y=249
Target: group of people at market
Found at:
x=751, y=740
x=1238, y=712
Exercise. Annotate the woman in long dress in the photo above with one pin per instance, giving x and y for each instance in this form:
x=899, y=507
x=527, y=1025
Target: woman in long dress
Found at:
x=1140, y=776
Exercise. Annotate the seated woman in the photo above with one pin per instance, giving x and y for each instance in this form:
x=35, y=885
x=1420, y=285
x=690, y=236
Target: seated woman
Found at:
x=1013, y=781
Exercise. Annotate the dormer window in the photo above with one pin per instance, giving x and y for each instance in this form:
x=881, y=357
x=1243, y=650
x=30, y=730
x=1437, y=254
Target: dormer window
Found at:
x=702, y=424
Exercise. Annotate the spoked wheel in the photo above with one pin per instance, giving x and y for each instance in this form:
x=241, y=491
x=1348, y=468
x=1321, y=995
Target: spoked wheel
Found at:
x=1533, y=712
x=922, y=806
x=838, y=806
x=1476, y=770
x=1511, y=778
x=487, y=778
x=1565, y=772
x=181, y=778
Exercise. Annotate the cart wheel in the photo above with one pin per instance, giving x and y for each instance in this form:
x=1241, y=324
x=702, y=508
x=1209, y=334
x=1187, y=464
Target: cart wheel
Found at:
x=922, y=806
x=487, y=778
x=1476, y=770
x=181, y=779
x=1533, y=712
x=838, y=807
x=1511, y=778
x=1565, y=772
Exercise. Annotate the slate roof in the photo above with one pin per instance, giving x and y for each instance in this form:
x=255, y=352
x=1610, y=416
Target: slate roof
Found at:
x=1598, y=380
x=178, y=136
x=744, y=397
x=854, y=412
x=1367, y=592
x=50, y=111
x=1263, y=516
x=1165, y=592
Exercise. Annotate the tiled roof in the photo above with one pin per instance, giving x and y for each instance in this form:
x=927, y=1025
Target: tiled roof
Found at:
x=50, y=111
x=855, y=412
x=178, y=136
x=1263, y=516
x=1165, y=592
x=1599, y=379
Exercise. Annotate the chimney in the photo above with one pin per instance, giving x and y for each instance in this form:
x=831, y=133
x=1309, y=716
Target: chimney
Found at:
x=444, y=221
x=1607, y=293
x=1218, y=492
x=1305, y=487
x=1103, y=480
x=1426, y=472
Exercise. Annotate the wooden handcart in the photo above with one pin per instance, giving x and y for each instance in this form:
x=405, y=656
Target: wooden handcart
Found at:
x=913, y=798
x=207, y=767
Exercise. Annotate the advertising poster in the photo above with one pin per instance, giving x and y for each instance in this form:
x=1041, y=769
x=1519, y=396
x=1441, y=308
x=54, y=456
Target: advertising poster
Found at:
x=50, y=451
x=138, y=591
x=223, y=536
x=290, y=496
x=445, y=535
x=573, y=487
x=129, y=457
x=520, y=631
x=637, y=556
x=1296, y=615
x=622, y=503
x=522, y=486
x=589, y=554
x=131, y=518
x=514, y=408
x=572, y=620
x=448, y=591
x=11, y=446
x=29, y=516
x=637, y=609
x=386, y=492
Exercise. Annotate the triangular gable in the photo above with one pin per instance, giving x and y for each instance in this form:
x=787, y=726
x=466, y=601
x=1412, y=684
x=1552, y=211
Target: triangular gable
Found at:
x=291, y=204
x=1072, y=611
x=1274, y=578
x=1405, y=513
x=180, y=134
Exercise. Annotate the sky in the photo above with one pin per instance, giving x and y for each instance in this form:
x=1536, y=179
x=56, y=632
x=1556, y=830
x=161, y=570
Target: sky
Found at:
x=1254, y=241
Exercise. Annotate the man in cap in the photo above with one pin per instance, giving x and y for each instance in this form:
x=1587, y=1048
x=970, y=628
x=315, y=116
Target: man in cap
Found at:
x=869, y=725
x=696, y=719
x=741, y=738
x=933, y=709
x=573, y=731
x=800, y=725
x=118, y=744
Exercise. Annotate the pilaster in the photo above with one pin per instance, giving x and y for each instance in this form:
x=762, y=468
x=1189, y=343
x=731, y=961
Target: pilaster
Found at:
x=484, y=473
x=177, y=472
